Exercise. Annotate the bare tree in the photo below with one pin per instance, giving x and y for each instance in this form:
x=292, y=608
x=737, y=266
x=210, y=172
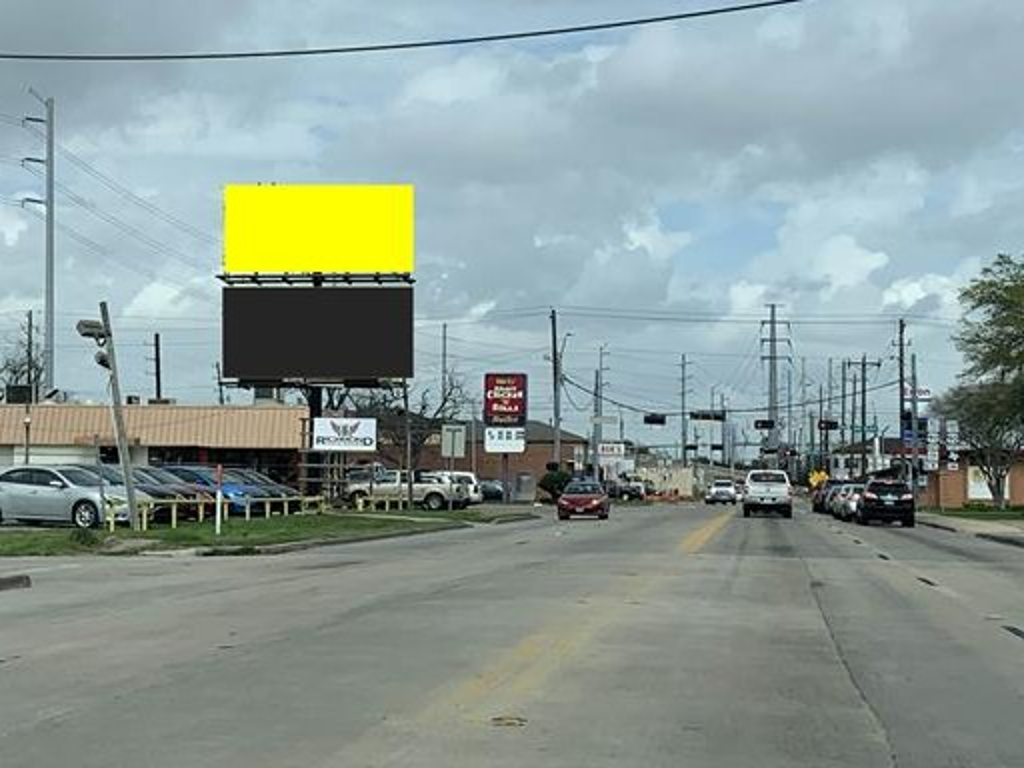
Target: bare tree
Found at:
x=427, y=412
x=17, y=366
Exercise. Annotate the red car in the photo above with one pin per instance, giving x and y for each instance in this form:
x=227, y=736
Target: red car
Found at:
x=582, y=497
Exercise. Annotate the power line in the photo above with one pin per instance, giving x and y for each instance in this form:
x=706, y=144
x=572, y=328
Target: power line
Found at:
x=448, y=42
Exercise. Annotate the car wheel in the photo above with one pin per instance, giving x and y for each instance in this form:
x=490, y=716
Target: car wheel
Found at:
x=787, y=513
x=85, y=515
x=562, y=516
x=909, y=521
x=434, y=502
x=861, y=519
x=746, y=511
x=603, y=516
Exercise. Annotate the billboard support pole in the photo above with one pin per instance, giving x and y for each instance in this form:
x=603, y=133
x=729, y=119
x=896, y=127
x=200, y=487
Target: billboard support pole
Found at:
x=506, y=491
x=408, y=444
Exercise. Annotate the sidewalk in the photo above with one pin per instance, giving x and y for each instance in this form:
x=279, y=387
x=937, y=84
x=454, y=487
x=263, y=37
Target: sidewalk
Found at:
x=1004, y=531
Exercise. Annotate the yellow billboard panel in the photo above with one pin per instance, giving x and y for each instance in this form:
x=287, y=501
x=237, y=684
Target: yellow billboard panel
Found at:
x=329, y=228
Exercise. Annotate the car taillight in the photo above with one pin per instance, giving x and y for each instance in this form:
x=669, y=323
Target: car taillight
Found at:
x=869, y=495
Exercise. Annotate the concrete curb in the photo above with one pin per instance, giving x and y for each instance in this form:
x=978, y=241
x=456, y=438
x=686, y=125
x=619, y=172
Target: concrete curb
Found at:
x=513, y=517
x=298, y=546
x=1001, y=539
x=17, y=581
x=940, y=526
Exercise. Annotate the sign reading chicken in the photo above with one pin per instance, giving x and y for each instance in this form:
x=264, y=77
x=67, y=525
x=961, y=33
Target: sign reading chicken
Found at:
x=505, y=399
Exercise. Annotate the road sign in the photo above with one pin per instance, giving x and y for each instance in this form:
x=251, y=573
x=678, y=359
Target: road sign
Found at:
x=764, y=423
x=453, y=441
x=611, y=450
x=504, y=440
x=657, y=419
x=828, y=425
x=505, y=399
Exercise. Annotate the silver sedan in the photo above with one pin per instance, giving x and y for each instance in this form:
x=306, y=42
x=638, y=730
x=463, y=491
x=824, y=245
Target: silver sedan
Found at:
x=58, y=494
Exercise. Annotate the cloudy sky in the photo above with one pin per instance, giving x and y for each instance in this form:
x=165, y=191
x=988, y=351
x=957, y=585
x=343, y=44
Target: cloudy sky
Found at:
x=852, y=160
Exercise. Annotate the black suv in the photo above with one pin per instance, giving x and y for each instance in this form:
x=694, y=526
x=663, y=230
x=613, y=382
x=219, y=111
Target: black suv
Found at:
x=886, y=500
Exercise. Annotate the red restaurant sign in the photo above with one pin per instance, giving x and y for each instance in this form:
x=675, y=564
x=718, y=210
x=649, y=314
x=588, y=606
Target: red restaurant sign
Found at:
x=505, y=399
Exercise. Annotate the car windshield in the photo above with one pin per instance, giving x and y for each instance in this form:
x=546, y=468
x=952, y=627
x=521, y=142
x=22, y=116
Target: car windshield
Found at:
x=582, y=489
x=767, y=477
x=162, y=475
x=891, y=488
x=724, y=484
x=81, y=477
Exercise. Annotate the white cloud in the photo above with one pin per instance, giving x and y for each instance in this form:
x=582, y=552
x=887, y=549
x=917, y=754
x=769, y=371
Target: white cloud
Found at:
x=12, y=227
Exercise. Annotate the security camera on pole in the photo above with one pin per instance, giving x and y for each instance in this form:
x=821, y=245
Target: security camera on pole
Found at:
x=102, y=333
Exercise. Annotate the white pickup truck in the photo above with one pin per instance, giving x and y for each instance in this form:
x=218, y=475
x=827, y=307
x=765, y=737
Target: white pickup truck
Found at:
x=768, y=490
x=428, y=490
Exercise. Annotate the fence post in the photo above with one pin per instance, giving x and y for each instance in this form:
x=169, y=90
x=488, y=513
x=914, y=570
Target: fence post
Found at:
x=266, y=508
x=202, y=509
x=248, y=509
x=174, y=513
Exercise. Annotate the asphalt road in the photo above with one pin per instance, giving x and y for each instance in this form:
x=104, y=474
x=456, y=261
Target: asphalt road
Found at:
x=667, y=636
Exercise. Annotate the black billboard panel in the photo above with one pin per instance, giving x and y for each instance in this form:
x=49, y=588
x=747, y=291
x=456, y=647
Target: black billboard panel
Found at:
x=323, y=334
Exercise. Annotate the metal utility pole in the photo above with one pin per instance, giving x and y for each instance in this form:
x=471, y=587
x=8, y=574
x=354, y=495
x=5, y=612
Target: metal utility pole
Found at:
x=842, y=403
x=913, y=424
x=828, y=402
x=822, y=433
x=684, y=423
x=156, y=367
x=864, y=411
x=804, y=444
x=789, y=407
x=902, y=362
x=773, y=385
x=444, y=362
x=853, y=409
x=51, y=209
x=596, y=432
x=556, y=379
x=119, y=426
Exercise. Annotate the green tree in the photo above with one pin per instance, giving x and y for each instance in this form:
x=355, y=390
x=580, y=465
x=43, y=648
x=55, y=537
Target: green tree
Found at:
x=992, y=333
x=991, y=422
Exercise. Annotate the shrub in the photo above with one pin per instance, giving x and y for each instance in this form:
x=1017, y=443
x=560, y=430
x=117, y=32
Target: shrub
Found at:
x=553, y=483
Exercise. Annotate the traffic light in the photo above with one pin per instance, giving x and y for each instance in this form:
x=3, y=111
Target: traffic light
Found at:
x=655, y=419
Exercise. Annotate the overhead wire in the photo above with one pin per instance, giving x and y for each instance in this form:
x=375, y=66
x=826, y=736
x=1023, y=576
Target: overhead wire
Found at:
x=447, y=42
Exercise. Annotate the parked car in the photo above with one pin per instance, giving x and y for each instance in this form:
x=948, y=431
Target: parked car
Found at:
x=721, y=492
x=235, y=493
x=58, y=495
x=144, y=488
x=254, y=477
x=469, y=480
x=583, y=498
x=171, y=481
x=837, y=498
x=429, y=490
x=820, y=495
x=888, y=501
x=768, y=490
x=492, y=490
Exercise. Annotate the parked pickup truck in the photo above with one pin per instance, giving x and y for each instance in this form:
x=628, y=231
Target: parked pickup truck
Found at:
x=768, y=490
x=431, y=491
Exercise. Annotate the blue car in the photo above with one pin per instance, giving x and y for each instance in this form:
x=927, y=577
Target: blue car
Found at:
x=236, y=492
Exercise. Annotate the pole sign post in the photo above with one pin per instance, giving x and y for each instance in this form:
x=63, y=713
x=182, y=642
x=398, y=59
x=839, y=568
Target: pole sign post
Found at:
x=953, y=445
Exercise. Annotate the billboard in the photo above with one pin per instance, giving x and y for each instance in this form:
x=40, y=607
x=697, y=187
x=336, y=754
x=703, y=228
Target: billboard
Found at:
x=345, y=435
x=504, y=440
x=328, y=228
x=325, y=334
x=611, y=450
x=505, y=399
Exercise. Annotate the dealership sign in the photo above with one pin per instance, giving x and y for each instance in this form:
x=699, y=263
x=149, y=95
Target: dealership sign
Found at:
x=345, y=435
x=505, y=399
x=611, y=450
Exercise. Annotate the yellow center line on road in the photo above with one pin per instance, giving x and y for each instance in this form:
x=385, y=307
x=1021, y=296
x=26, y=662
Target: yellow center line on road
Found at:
x=695, y=541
